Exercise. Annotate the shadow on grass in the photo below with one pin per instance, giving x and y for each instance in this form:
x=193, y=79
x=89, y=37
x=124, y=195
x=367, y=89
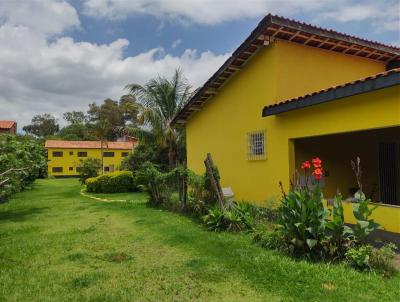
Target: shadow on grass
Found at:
x=21, y=214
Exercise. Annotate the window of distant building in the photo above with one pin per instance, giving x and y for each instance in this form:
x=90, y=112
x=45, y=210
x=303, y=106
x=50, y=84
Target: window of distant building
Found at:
x=108, y=154
x=82, y=154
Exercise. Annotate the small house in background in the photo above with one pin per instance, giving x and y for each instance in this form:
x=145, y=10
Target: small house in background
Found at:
x=64, y=156
x=8, y=127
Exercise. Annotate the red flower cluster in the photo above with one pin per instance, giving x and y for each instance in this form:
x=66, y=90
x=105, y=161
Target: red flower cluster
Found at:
x=317, y=164
x=306, y=165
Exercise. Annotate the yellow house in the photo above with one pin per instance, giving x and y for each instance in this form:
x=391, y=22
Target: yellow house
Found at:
x=64, y=156
x=292, y=91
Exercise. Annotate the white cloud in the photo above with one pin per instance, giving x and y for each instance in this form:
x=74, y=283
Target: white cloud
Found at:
x=384, y=13
x=198, y=11
x=44, y=71
x=40, y=16
x=176, y=43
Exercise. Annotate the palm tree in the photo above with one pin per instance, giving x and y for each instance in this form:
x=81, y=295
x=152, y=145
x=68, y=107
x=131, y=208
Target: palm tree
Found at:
x=159, y=100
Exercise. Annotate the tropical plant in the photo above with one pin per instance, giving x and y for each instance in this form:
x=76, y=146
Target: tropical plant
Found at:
x=364, y=224
x=304, y=221
x=339, y=235
x=361, y=209
x=233, y=219
x=88, y=168
x=159, y=101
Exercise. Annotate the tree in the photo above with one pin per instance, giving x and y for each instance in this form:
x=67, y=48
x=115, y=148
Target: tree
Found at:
x=76, y=132
x=75, y=117
x=88, y=168
x=159, y=100
x=101, y=130
x=42, y=125
x=144, y=152
x=117, y=114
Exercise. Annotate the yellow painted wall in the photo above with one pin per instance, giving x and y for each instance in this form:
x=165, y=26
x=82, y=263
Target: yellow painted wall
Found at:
x=387, y=216
x=280, y=70
x=68, y=160
x=304, y=69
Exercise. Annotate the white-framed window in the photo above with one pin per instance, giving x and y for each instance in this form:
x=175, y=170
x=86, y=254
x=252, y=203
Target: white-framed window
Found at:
x=256, y=145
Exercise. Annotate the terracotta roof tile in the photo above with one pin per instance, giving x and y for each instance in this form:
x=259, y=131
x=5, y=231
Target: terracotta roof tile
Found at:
x=6, y=124
x=88, y=145
x=299, y=98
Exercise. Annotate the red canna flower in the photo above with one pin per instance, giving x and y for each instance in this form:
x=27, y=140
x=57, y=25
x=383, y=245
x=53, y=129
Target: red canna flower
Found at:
x=317, y=162
x=318, y=172
x=306, y=165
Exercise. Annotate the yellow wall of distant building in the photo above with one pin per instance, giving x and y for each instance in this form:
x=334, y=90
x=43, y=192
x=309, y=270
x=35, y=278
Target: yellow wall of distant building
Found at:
x=68, y=160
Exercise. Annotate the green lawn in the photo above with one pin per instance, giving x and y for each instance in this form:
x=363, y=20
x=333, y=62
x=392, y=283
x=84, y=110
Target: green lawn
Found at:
x=57, y=245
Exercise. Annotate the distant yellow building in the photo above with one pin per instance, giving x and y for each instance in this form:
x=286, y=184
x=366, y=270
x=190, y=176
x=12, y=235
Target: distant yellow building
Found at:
x=292, y=91
x=64, y=156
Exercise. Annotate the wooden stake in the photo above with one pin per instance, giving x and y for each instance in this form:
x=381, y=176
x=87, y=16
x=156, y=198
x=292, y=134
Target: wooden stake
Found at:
x=208, y=162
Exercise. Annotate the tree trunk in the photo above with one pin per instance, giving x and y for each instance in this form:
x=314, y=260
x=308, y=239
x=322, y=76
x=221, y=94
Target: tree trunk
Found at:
x=172, y=158
x=102, y=156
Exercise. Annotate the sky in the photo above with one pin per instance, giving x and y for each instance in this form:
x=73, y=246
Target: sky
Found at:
x=61, y=55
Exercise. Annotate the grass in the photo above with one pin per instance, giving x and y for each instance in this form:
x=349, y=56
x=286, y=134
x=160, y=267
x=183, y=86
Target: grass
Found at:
x=57, y=245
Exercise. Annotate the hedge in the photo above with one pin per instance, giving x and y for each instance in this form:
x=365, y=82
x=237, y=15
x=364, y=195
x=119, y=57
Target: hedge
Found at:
x=115, y=182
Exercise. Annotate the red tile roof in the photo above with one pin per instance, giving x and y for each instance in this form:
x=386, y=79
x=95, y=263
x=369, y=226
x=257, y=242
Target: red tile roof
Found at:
x=299, y=98
x=88, y=145
x=273, y=28
x=7, y=124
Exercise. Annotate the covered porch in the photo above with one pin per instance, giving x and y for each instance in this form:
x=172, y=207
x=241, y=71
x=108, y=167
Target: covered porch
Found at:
x=379, y=152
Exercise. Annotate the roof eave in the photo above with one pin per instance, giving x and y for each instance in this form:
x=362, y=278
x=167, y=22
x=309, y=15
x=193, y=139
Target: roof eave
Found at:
x=262, y=29
x=334, y=94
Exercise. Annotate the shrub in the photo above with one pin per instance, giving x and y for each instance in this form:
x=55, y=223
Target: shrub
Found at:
x=145, y=152
x=358, y=257
x=115, y=182
x=233, y=219
x=24, y=154
x=367, y=258
x=271, y=239
x=381, y=260
x=88, y=168
x=155, y=182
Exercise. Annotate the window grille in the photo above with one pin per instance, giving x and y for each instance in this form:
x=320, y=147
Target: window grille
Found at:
x=256, y=145
x=57, y=169
x=108, y=154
